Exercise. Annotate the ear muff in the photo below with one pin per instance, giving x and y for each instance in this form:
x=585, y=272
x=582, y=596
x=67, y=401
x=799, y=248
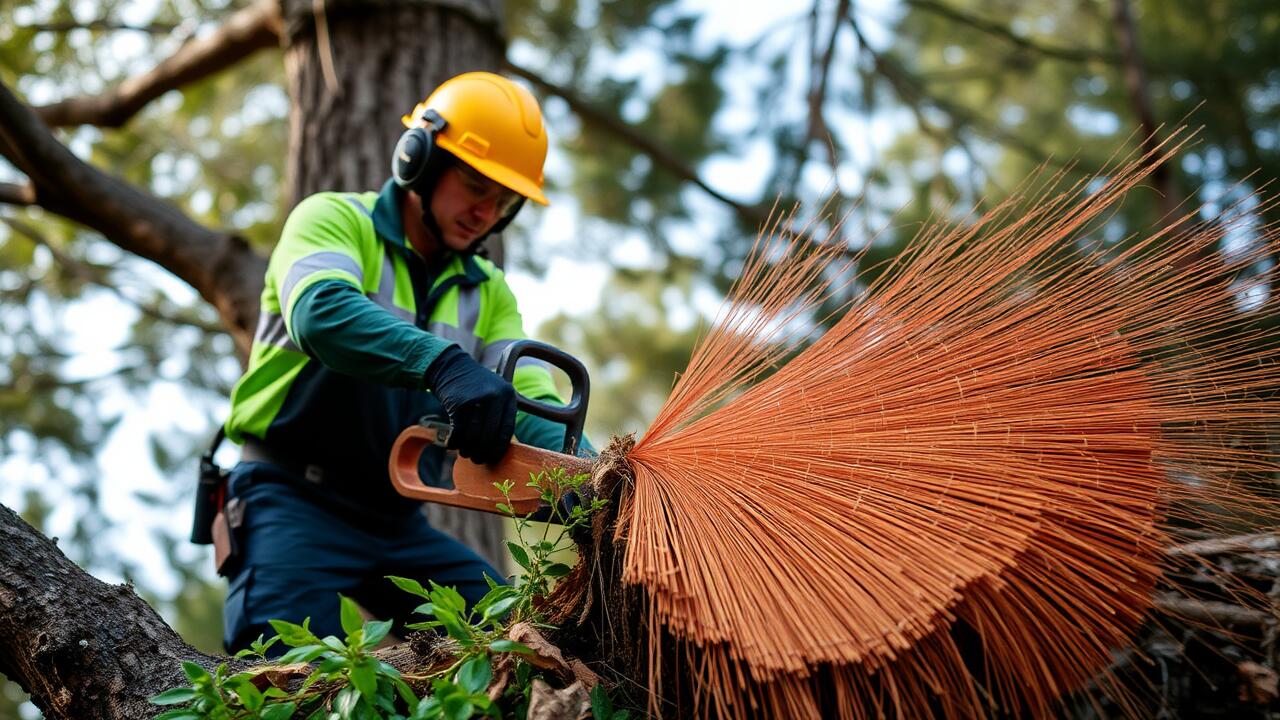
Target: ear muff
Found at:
x=417, y=163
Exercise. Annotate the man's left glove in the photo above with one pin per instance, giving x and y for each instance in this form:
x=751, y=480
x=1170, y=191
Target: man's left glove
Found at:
x=481, y=405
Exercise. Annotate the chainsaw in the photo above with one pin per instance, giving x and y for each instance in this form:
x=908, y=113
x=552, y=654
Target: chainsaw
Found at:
x=474, y=485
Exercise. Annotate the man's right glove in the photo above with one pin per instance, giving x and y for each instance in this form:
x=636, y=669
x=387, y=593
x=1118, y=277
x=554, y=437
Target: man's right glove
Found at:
x=481, y=405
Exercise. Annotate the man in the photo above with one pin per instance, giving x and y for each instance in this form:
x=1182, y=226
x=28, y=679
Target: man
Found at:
x=376, y=312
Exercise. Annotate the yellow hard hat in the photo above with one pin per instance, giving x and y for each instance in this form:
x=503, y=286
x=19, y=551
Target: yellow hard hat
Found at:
x=491, y=124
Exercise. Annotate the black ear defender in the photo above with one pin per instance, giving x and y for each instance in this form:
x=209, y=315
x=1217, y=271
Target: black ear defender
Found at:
x=417, y=163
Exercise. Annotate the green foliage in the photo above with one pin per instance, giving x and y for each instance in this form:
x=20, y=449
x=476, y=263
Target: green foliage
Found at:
x=348, y=682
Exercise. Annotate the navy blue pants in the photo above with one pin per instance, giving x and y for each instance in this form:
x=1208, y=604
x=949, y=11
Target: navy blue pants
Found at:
x=298, y=555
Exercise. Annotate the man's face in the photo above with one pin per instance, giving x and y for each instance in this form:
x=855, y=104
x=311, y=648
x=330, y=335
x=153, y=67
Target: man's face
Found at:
x=465, y=204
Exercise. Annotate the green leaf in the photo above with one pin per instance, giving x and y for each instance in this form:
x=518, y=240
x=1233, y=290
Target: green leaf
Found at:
x=490, y=581
x=194, y=672
x=556, y=570
x=352, y=620
x=601, y=705
x=621, y=715
x=448, y=597
x=293, y=635
x=501, y=607
x=456, y=629
x=457, y=707
x=406, y=693
x=475, y=674
x=509, y=646
x=177, y=715
x=250, y=696
x=428, y=707
x=375, y=631
x=519, y=554
x=334, y=644
x=302, y=654
x=410, y=586
x=331, y=663
x=283, y=711
x=346, y=701
x=365, y=679
x=495, y=594
x=173, y=696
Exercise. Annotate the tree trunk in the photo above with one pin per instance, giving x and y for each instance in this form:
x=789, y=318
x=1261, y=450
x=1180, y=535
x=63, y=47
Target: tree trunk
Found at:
x=353, y=71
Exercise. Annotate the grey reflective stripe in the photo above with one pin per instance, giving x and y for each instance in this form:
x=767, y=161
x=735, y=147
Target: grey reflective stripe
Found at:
x=385, y=296
x=359, y=205
x=469, y=308
x=315, y=262
x=468, y=342
x=533, y=362
x=492, y=352
x=271, y=331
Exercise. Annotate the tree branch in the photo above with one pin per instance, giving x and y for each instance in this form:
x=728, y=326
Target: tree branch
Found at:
x=818, y=129
x=1135, y=80
x=245, y=32
x=79, y=647
x=100, y=25
x=752, y=214
x=999, y=30
x=912, y=94
x=14, y=194
x=220, y=266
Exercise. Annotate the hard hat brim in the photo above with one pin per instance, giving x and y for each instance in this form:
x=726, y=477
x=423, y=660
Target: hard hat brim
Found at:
x=496, y=172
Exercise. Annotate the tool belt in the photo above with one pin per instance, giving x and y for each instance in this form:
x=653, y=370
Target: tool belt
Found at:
x=254, y=450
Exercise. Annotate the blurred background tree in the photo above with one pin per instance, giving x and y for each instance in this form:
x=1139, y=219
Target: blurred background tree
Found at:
x=677, y=127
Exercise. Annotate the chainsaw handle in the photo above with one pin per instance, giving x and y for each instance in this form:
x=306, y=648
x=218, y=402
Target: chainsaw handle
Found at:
x=574, y=415
x=473, y=484
x=473, y=494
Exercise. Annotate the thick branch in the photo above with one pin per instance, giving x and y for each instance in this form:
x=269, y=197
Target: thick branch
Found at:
x=1212, y=613
x=245, y=32
x=100, y=25
x=13, y=194
x=82, y=648
x=607, y=121
x=220, y=266
x=999, y=30
x=818, y=85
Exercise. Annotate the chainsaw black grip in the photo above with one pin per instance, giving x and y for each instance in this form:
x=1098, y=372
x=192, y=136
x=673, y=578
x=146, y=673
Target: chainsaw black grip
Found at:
x=574, y=415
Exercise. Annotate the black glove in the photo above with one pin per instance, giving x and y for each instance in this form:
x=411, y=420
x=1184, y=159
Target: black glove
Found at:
x=481, y=405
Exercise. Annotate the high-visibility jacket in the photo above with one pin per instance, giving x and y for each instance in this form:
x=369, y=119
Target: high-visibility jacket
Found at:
x=350, y=320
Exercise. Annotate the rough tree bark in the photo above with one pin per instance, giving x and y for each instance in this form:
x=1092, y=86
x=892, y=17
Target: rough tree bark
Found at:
x=80, y=647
